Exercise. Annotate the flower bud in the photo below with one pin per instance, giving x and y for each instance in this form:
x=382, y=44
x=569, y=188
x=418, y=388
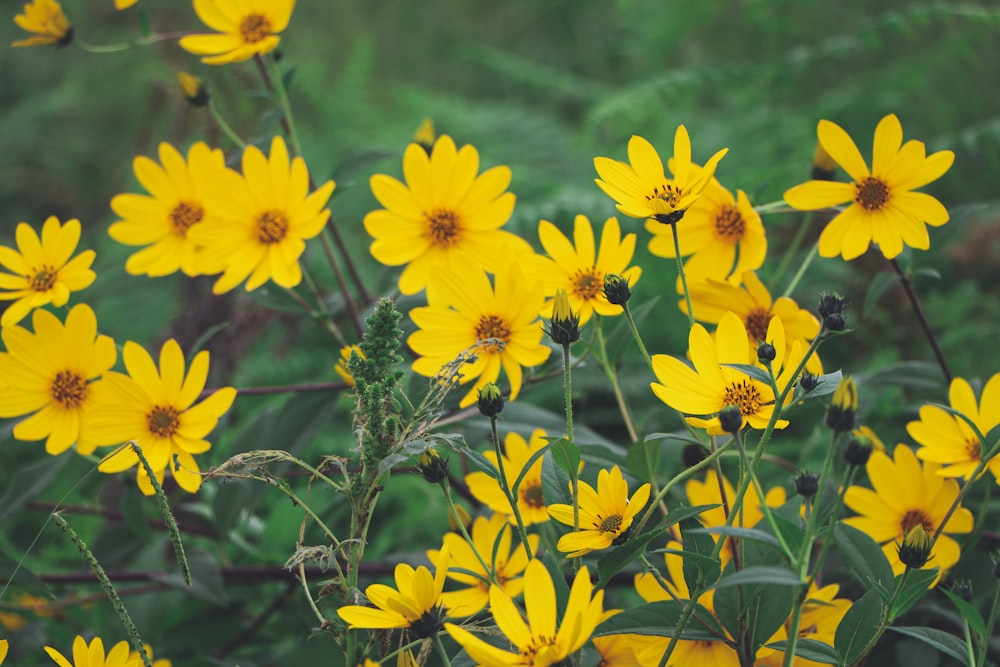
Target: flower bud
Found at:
x=858, y=451
x=731, y=419
x=834, y=322
x=916, y=548
x=808, y=382
x=463, y=515
x=806, y=484
x=425, y=136
x=433, y=467
x=823, y=167
x=490, y=400
x=193, y=89
x=830, y=303
x=963, y=589
x=616, y=289
x=765, y=352
x=840, y=415
x=564, y=327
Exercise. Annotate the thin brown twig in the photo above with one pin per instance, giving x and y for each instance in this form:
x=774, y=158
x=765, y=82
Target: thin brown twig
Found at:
x=922, y=317
x=115, y=515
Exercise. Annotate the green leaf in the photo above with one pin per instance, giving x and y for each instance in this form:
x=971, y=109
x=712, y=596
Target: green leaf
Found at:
x=928, y=271
x=516, y=484
x=30, y=481
x=658, y=619
x=13, y=570
x=742, y=533
x=643, y=460
x=683, y=512
x=916, y=584
x=879, y=285
x=910, y=374
x=558, y=581
x=863, y=557
x=698, y=561
x=615, y=560
x=968, y=612
x=942, y=641
x=810, y=649
x=826, y=384
x=620, y=337
x=858, y=626
x=555, y=482
x=481, y=462
x=566, y=456
x=756, y=372
x=791, y=531
x=758, y=574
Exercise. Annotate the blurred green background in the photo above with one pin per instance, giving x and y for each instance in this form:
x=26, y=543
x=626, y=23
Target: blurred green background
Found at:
x=542, y=87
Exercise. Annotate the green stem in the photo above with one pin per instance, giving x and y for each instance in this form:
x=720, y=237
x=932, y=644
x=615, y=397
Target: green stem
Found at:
x=882, y=621
x=465, y=533
x=680, y=271
x=682, y=622
x=440, y=647
x=568, y=396
x=352, y=309
x=635, y=335
x=286, y=106
x=793, y=248
x=759, y=489
x=609, y=371
x=922, y=318
x=125, y=46
x=522, y=533
x=226, y=128
x=994, y=610
x=802, y=270
x=969, y=649
x=775, y=207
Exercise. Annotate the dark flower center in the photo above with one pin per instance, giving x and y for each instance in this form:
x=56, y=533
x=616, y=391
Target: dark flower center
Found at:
x=532, y=495
x=255, y=28
x=666, y=193
x=744, y=395
x=611, y=524
x=272, y=226
x=757, y=321
x=871, y=194
x=163, y=421
x=69, y=389
x=729, y=225
x=430, y=623
x=44, y=279
x=974, y=449
x=184, y=215
x=538, y=644
x=588, y=283
x=444, y=227
x=493, y=327
x=916, y=518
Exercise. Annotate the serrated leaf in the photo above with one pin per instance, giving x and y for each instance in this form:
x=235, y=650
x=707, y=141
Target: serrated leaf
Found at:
x=758, y=575
x=968, y=612
x=863, y=556
x=914, y=587
x=942, y=641
x=858, y=626
x=619, y=557
x=879, y=285
x=811, y=649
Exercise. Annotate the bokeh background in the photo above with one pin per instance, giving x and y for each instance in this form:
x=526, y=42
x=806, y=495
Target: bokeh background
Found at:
x=542, y=87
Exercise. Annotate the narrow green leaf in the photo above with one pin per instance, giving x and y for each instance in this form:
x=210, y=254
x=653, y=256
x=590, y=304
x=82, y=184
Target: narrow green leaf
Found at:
x=810, y=649
x=742, y=533
x=863, y=557
x=643, y=460
x=683, y=512
x=619, y=557
x=879, y=285
x=968, y=612
x=566, y=456
x=30, y=481
x=516, y=484
x=658, y=619
x=916, y=584
x=700, y=545
x=942, y=641
x=756, y=372
x=481, y=462
x=858, y=626
x=555, y=482
x=758, y=574
x=826, y=384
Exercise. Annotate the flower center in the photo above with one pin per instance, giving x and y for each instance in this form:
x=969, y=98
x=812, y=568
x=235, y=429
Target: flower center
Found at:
x=729, y=225
x=255, y=28
x=44, y=279
x=271, y=227
x=666, y=193
x=871, y=194
x=588, y=283
x=916, y=518
x=69, y=389
x=163, y=421
x=184, y=215
x=532, y=495
x=757, y=321
x=974, y=449
x=444, y=227
x=493, y=327
x=744, y=395
x=611, y=524
x=542, y=650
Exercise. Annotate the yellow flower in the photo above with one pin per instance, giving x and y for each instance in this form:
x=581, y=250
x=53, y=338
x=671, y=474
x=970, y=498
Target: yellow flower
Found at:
x=444, y=217
x=821, y=614
x=723, y=235
x=629, y=650
x=262, y=220
x=498, y=323
x=948, y=440
x=530, y=498
x=576, y=267
x=51, y=375
x=711, y=386
x=425, y=135
x=905, y=495
x=866, y=432
x=92, y=655
x=4, y=647
x=753, y=304
x=124, y=4
x=538, y=642
x=156, y=410
x=42, y=270
x=176, y=202
x=843, y=406
x=641, y=188
x=605, y=514
x=884, y=209
x=162, y=662
x=44, y=18
x=415, y=603
x=246, y=28
x=345, y=356
x=193, y=89
x=492, y=540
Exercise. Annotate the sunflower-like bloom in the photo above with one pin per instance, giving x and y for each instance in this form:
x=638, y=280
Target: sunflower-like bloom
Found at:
x=753, y=304
x=538, y=642
x=41, y=269
x=175, y=203
x=52, y=375
x=492, y=541
x=643, y=191
x=262, y=221
x=883, y=209
x=711, y=385
x=530, y=497
x=605, y=514
x=414, y=604
x=575, y=267
x=46, y=20
x=92, y=655
x=498, y=323
x=948, y=440
x=821, y=614
x=907, y=494
x=723, y=235
x=161, y=662
x=156, y=410
x=246, y=28
x=445, y=216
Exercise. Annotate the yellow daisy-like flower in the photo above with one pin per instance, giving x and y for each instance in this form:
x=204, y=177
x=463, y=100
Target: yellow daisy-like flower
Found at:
x=499, y=323
x=41, y=269
x=345, y=356
x=262, y=221
x=46, y=20
x=883, y=209
x=176, y=202
x=414, y=604
x=530, y=497
x=52, y=375
x=906, y=495
x=711, y=386
x=606, y=514
x=156, y=410
x=92, y=655
x=538, y=642
x=753, y=304
x=948, y=440
x=723, y=235
x=162, y=662
x=492, y=540
x=643, y=191
x=821, y=614
x=4, y=647
x=245, y=28
x=124, y=4
x=445, y=216
x=575, y=267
